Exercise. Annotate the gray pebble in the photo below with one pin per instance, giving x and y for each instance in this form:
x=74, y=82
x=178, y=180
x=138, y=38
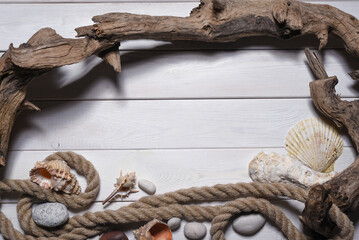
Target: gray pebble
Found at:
x=195, y=230
x=50, y=214
x=248, y=224
x=174, y=223
x=147, y=186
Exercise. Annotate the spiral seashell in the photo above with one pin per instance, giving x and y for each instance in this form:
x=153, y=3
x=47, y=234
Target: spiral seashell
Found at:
x=72, y=187
x=55, y=174
x=315, y=143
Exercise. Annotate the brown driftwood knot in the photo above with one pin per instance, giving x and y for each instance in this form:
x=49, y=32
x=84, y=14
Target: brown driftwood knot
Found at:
x=342, y=190
x=241, y=197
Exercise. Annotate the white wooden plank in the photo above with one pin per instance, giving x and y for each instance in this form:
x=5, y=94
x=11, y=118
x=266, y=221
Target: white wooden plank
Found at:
x=159, y=124
x=193, y=75
x=64, y=18
x=290, y=208
x=170, y=170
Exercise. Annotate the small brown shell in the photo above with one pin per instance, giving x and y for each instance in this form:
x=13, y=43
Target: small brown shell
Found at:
x=154, y=230
x=55, y=174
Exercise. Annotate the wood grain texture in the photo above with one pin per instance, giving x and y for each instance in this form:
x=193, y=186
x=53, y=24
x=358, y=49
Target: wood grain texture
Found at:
x=211, y=21
x=65, y=18
x=142, y=80
x=159, y=124
x=341, y=190
x=170, y=170
x=193, y=75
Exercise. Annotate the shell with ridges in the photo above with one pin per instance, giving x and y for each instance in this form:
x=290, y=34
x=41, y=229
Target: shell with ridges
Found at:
x=55, y=174
x=315, y=143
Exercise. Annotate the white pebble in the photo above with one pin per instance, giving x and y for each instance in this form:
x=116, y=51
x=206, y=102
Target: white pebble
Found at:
x=174, y=223
x=147, y=186
x=195, y=230
x=50, y=214
x=248, y=224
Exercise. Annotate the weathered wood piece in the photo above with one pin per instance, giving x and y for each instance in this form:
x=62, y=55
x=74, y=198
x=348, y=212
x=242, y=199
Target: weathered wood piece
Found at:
x=343, y=189
x=211, y=21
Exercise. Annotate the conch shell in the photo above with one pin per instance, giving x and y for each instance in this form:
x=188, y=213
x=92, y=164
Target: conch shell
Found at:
x=56, y=175
x=315, y=143
x=154, y=230
x=274, y=168
x=124, y=186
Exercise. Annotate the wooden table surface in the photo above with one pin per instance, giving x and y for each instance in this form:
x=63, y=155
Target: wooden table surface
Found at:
x=180, y=114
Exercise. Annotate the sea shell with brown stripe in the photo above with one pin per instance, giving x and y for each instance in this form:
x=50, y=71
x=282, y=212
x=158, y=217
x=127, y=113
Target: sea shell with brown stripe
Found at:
x=56, y=175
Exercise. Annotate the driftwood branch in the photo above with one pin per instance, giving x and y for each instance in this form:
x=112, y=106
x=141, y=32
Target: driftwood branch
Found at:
x=211, y=21
x=343, y=189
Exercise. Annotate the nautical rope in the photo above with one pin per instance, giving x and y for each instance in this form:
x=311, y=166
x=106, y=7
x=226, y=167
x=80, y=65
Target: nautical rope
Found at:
x=240, y=197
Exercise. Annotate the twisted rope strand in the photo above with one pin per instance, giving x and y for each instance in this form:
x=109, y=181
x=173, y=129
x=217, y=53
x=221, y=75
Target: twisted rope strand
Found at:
x=253, y=204
x=242, y=197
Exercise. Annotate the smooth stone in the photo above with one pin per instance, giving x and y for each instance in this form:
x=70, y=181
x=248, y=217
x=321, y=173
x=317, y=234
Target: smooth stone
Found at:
x=115, y=235
x=248, y=224
x=174, y=223
x=195, y=230
x=50, y=214
x=147, y=186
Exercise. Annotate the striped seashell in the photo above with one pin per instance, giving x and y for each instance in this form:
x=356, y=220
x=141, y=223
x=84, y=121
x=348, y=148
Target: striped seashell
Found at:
x=55, y=174
x=73, y=186
x=315, y=143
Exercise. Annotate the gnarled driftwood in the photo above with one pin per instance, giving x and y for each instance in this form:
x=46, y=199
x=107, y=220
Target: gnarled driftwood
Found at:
x=343, y=189
x=211, y=21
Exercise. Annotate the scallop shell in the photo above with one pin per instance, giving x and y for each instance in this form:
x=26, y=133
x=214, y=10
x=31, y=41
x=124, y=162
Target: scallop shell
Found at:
x=55, y=174
x=315, y=143
x=154, y=230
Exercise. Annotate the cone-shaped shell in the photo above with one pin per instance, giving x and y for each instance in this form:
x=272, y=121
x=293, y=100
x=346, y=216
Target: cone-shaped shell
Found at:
x=315, y=143
x=72, y=187
x=55, y=174
x=154, y=230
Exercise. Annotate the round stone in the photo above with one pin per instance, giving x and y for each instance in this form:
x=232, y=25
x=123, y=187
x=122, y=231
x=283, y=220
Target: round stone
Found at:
x=248, y=224
x=195, y=230
x=50, y=214
x=115, y=235
x=174, y=223
x=147, y=186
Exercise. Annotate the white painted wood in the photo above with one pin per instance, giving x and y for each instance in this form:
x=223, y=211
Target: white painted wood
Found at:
x=159, y=124
x=170, y=170
x=195, y=74
x=188, y=118
x=64, y=18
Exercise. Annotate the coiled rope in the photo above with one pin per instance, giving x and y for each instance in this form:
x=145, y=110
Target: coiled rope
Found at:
x=241, y=197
